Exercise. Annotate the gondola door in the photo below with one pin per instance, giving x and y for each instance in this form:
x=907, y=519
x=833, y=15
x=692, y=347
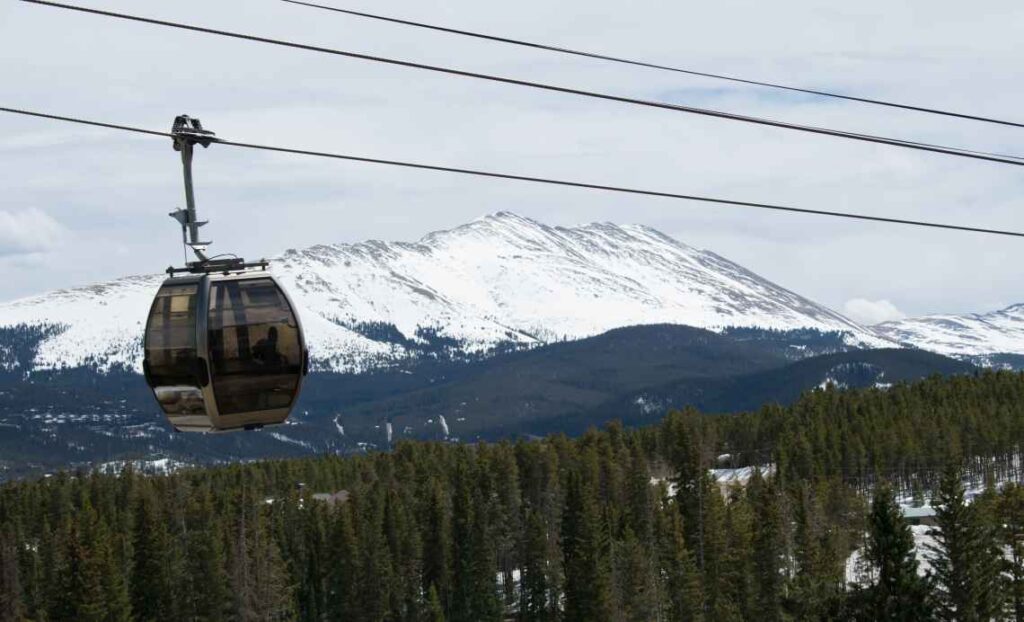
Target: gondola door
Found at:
x=172, y=363
x=256, y=351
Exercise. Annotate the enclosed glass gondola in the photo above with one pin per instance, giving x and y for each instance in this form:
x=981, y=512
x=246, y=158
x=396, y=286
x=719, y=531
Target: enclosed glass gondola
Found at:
x=224, y=352
x=223, y=344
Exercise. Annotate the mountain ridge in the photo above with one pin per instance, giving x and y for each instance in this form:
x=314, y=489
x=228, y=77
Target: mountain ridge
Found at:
x=501, y=281
x=993, y=338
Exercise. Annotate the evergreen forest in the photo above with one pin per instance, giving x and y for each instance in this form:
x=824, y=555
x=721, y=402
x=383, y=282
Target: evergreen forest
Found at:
x=617, y=524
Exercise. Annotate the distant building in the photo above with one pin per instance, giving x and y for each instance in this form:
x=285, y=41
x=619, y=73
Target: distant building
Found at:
x=924, y=515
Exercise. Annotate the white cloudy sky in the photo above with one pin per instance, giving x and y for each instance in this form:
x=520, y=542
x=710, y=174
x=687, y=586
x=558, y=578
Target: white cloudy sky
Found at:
x=81, y=204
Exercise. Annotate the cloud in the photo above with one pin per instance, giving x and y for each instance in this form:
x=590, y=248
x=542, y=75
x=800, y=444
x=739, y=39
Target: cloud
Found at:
x=28, y=231
x=872, y=311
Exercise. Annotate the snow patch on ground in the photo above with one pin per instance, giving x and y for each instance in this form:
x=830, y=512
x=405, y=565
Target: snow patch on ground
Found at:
x=648, y=405
x=723, y=477
x=829, y=381
x=742, y=475
x=156, y=466
x=290, y=440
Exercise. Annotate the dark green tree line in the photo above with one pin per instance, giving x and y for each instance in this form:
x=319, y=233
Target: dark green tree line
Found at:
x=618, y=524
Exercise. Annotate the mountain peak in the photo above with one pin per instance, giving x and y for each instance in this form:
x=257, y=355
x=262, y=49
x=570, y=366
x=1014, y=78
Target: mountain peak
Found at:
x=530, y=234
x=497, y=221
x=502, y=279
x=504, y=216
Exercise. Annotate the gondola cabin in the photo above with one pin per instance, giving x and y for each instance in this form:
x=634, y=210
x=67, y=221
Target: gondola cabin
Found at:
x=224, y=351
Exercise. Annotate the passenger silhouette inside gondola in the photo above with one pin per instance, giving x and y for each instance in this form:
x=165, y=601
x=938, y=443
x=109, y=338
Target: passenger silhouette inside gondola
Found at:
x=265, y=351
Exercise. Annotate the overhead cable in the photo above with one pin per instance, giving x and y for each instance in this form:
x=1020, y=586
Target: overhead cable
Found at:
x=539, y=180
x=953, y=151
x=649, y=65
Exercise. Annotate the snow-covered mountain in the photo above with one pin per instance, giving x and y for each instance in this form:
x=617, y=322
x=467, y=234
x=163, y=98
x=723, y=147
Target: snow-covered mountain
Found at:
x=499, y=280
x=979, y=336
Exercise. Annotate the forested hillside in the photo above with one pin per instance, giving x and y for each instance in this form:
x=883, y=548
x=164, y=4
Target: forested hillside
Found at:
x=79, y=416
x=618, y=524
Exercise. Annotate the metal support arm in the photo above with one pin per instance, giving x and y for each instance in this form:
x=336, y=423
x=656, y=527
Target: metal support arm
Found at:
x=188, y=132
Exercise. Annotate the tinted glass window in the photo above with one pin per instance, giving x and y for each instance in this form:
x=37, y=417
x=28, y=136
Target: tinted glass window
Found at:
x=171, y=336
x=255, y=355
x=171, y=350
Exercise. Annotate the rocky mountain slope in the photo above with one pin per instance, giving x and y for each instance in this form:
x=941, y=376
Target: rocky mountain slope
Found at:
x=994, y=338
x=499, y=282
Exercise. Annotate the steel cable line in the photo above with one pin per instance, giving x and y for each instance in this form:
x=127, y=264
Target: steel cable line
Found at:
x=112, y=126
x=638, y=63
x=954, y=151
x=540, y=180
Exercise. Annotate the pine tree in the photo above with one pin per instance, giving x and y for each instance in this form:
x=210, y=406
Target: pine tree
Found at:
x=343, y=575
x=151, y=592
x=117, y=599
x=507, y=516
x=54, y=592
x=243, y=585
x=311, y=593
x=11, y=606
x=375, y=568
x=768, y=548
x=635, y=579
x=587, y=589
x=1011, y=513
x=684, y=592
x=404, y=549
x=737, y=574
x=818, y=575
x=32, y=574
x=688, y=449
x=273, y=591
x=535, y=586
x=640, y=506
x=965, y=559
x=259, y=577
x=690, y=443
x=86, y=599
x=486, y=604
x=715, y=541
x=206, y=573
x=437, y=544
x=991, y=579
x=899, y=594
x=435, y=612
x=462, y=545
x=474, y=593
